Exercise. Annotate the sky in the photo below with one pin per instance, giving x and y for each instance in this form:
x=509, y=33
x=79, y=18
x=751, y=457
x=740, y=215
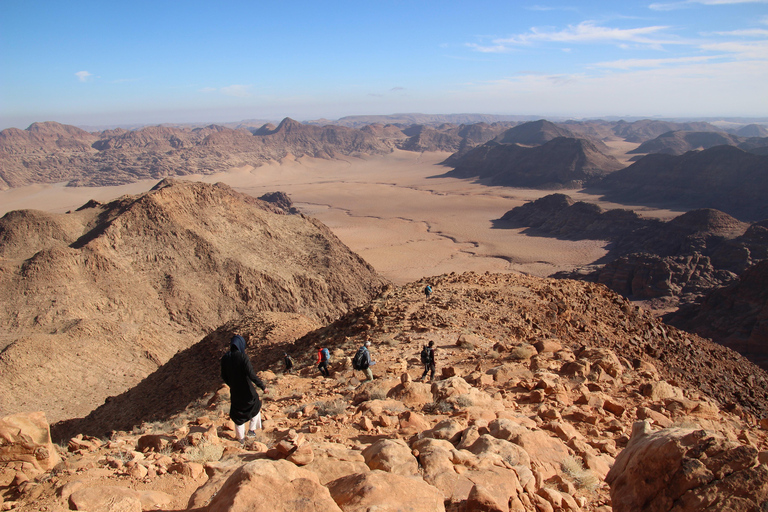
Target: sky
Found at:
x=149, y=62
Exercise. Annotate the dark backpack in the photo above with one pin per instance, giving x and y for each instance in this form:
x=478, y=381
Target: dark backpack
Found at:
x=360, y=362
x=426, y=354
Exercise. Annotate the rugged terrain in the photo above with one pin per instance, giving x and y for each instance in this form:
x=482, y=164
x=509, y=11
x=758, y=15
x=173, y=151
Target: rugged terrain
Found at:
x=682, y=262
x=549, y=395
x=725, y=178
x=96, y=299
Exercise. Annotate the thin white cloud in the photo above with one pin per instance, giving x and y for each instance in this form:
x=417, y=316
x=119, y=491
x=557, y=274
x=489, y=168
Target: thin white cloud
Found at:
x=689, y=3
x=238, y=91
x=586, y=32
x=650, y=63
x=83, y=76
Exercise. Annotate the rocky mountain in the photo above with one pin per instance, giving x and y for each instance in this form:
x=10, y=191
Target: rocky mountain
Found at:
x=723, y=177
x=549, y=395
x=561, y=162
x=735, y=315
x=679, y=142
x=647, y=129
x=96, y=299
x=51, y=152
x=753, y=130
x=671, y=264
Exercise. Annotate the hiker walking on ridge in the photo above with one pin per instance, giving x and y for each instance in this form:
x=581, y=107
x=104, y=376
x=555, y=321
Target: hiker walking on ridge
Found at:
x=428, y=291
x=288, y=361
x=323, y=356
x=428, y=360
x=237, y=372
x=362, y=361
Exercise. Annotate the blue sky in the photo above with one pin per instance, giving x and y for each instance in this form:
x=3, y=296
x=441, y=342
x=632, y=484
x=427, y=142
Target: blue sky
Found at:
x=110, y=63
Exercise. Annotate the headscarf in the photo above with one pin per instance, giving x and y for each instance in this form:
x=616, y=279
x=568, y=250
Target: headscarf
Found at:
x=237, y=343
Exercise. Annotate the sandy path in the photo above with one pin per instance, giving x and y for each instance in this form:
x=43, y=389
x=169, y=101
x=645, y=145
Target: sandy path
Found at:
x=391, y=210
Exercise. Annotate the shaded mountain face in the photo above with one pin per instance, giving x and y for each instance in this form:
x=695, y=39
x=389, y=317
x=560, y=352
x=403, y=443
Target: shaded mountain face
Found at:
x=684, y=262
x=647, y=129
x=560, y=163
x=94, y=300
x=724, y=178
x=735, y=315
x=679, y=142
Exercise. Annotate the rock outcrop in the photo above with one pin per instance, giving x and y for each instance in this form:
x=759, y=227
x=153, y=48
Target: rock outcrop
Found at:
x=97, y=299
x=725, y=178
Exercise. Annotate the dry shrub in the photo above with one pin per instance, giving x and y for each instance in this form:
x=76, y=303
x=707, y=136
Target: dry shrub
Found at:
x=205, y=452
x=582, y=478
x=331, y=408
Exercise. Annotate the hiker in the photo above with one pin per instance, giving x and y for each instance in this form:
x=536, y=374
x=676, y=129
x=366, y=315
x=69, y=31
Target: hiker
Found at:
x=323, y=356
x=288, y=362
x=428, y=360
x=428, y=291
x=237, y=372
x=362, y=361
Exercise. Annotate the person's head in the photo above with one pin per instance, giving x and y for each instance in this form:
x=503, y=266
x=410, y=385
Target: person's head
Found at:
x=431, y=344
x=367, y=343
x=237, y=344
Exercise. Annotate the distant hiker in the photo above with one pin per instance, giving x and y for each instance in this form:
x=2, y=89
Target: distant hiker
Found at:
x=362, y=361
x=428, y=291
x=237, y=372
x=428, y=360
x=323, y=356
x=288, y=362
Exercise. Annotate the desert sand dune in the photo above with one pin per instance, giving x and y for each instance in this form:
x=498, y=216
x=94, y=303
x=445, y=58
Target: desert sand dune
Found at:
x=392, y=210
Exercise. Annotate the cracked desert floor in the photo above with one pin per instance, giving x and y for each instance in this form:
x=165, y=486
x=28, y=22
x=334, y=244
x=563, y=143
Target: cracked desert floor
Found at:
x=394, y=211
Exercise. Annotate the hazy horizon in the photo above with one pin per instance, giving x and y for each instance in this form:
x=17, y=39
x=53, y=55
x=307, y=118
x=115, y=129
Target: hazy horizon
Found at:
x=104, y=64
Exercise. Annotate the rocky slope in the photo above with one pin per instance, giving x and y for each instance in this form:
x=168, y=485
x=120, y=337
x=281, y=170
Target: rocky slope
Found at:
x=679, y=142
x=724, y=178
x=550, y=395
x=561, y=162
x=735, y=315
x=669, y=264
x=95, y=300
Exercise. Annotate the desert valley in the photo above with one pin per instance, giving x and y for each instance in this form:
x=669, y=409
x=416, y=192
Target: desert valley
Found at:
x=600, y=315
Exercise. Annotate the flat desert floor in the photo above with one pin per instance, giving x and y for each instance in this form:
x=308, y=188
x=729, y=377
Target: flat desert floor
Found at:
x=392, y=210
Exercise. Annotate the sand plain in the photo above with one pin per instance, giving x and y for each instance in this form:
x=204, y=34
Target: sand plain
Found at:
x=395, y=211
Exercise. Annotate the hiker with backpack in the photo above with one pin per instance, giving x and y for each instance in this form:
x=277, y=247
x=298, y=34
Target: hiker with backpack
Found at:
x=323, y=356
x=288, y=361
x=237, y=372
x=428, y=291
x=362, y=361
x=428, y=360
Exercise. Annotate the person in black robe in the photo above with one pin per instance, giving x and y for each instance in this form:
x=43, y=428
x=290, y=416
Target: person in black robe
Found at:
x=237, y=372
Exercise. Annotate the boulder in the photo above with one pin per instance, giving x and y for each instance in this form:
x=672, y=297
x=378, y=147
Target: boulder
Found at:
x=688, y=469
x=444, y=389
x=272, y=486
x=26, y=437
x=106, y=498
x=385, y=492
x=391, y=455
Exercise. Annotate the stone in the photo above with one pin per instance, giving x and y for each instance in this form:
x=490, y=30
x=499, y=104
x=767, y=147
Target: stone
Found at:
x=662, y=390
x=302, y=455
x=105, y=498
x=688, y=467
x=380, y=490
x=26, y=437
x=391, y=455
x=272, y=486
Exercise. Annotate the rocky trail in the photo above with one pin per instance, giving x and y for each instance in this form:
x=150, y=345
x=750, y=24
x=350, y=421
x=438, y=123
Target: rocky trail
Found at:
x=549, y=395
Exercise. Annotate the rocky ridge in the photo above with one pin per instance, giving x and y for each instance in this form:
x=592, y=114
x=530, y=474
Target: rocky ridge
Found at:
x=96, y=299
x=562, y=162
x=725, y=178
x=550, y=395
x=688, y=262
